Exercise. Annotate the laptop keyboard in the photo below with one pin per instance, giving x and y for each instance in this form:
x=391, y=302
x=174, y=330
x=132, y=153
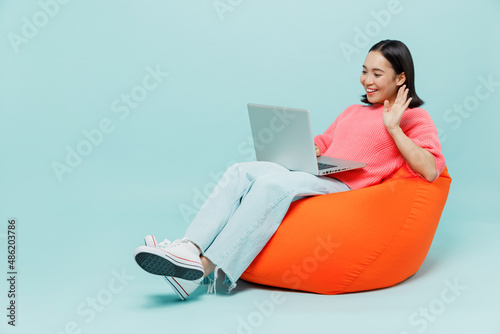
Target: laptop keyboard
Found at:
x=325, y=166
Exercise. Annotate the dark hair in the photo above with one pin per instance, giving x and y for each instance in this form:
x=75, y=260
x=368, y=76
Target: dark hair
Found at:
x=399, y=56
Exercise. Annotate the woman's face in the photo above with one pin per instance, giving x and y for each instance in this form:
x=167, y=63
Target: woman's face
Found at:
x=379, y=80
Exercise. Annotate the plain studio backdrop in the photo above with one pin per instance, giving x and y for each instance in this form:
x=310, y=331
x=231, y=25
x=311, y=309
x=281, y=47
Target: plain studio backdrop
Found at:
x=117, y=118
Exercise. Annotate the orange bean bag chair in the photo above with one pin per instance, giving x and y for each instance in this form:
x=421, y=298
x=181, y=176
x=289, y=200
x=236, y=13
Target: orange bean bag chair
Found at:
x=367, y=239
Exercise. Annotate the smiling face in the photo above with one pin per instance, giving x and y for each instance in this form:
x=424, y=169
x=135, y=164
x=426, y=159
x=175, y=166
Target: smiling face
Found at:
x=379, y=79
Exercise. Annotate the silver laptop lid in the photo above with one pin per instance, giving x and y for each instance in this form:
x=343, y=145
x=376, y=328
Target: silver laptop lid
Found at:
x=284, y=136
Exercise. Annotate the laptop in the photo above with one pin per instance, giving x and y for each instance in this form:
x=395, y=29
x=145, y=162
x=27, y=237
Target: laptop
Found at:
x=284, y=136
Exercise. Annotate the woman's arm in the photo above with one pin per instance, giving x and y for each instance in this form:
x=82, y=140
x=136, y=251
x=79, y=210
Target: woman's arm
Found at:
x=323, y=141
x=419, y=159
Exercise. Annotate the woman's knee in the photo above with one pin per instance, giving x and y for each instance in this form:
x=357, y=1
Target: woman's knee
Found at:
x=280, y=180
x=286, y=180
x=236, y=170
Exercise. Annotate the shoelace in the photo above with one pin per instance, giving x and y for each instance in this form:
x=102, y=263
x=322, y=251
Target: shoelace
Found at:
x=164, y=244
x=167, y=243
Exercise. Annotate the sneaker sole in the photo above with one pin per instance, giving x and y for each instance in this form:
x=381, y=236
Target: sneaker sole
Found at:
x=160, y=265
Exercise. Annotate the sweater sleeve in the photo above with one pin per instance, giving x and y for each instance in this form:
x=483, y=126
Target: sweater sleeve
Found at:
x=419, y=127
x=324, y=140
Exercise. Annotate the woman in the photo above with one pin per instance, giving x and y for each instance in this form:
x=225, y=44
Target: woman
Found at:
x=251, y=199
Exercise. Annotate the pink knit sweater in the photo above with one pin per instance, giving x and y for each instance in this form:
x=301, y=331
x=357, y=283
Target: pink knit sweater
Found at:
x=359, y=134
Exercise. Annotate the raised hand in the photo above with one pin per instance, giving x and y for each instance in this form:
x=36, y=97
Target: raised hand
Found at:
x=392, y=116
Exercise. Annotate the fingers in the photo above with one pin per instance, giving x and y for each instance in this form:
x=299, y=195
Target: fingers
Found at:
x=405, y=95
x=402, y=93
x=318, y=153
x=407, y=103
x=386, y=105
x=401, y=97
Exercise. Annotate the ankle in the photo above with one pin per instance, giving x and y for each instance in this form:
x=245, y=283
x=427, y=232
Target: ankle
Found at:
x=208, y=266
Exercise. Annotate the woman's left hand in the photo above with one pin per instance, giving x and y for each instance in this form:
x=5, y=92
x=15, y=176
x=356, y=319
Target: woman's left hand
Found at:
x=392, y=116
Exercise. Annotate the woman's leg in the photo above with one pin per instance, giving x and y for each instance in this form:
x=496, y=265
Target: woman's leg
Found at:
x=181, y=258
x=225, y=200
x=254, y=220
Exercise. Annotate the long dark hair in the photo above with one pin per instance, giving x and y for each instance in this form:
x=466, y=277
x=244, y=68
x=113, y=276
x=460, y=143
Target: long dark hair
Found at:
x=399, y=56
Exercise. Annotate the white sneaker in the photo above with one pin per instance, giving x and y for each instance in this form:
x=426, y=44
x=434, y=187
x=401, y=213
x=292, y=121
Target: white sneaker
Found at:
x=180, y=259
x=183, y=288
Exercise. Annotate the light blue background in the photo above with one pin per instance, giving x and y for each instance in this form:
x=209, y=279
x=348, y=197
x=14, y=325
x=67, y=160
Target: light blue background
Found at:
x=150, y=172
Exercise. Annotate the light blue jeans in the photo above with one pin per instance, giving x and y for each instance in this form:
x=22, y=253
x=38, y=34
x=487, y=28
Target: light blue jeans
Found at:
x=245, y=209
